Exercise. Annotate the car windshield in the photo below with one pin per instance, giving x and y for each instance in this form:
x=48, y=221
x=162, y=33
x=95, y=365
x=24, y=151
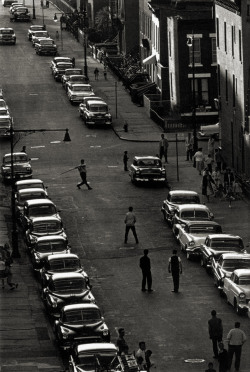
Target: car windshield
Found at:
x=63, y=264
x=51, y=246
x=63, y=66
x=185, y=199
x=46, y=42
x=88, y=361
x=99, y=108
x=78, y=78
x=194, y=214
x=81, y=88
x=7, y=32
x=42, y=210
x=47, y=227
x=30, y=185
x=73, y=72
x=149, y=163
x=41, y=34
x=68, y=285
x=230, y=245
x=34, y=195
x=205, y=230
x=4, y=112
x=231, y=265
x=36, y=28
x=82, y=316
x=16, y=159
x=244, y=280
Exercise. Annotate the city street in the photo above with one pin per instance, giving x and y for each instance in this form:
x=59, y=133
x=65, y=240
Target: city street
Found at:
x=173, y=326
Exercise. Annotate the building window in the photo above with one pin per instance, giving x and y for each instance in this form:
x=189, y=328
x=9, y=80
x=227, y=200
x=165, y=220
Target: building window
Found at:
x=225, y=36
x=196, y=49
x=233, y=90
x=218, y=32
x=201, y=92
x=214, y=54
x=240, y=56
x=226, y=86
x=218, y=78
x=169, y=44
x=233, y=40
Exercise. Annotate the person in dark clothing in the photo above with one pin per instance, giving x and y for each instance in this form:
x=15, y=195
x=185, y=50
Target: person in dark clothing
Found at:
x=222, y=358
x=121, y=343
x=24, y=149
x=146, y=271
x=125, y=160
x=83, y=175
x=215, y=330
x=96, y=73
x=175, y=267
x=148, y=354
x=206, y=185
x=210, y=368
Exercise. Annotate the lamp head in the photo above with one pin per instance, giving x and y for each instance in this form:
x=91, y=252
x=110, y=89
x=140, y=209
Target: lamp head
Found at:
x=189, y=42
x=55, y=18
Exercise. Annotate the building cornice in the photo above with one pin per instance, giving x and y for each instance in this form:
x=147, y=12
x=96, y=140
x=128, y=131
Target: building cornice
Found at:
x=229, y=5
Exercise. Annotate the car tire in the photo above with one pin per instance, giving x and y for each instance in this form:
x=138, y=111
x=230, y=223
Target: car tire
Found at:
x=188, y=256
x=236, y=307
x=202, y=262
x=132, y=179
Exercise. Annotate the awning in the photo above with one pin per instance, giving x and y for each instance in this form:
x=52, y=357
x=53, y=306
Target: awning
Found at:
x=149, y=60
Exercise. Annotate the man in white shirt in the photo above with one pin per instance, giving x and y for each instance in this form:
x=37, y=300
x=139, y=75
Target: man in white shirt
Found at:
x=130, y=221
x=236, y=338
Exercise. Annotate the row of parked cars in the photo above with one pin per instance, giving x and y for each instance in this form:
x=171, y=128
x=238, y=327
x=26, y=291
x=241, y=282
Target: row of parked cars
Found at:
x=19, y=12
x=41, y=40
x=6, y=120
x=200, y=237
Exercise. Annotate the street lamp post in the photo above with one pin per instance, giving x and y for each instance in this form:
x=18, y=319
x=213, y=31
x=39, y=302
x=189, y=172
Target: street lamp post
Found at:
x=34, y=10
x=85, y=26
x=15, y=245
x=42, y=11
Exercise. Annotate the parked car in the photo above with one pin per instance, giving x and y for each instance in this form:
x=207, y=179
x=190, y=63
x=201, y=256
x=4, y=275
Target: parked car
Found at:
x=68, y=72
x=96, y=113
x=37, y=208
x=45, y=246
x=85, y=100
x=215, y=245
x=237, y=290
x=3, y=104
x=5, y=124
x=45, y=46
x=27, y=194
x=75, y=79
x=226, y=264
x=56, y=60
x=190, y=212
x=7, y=35
x=192, y=234
x=31, y=183
x=43, y=226
x=147, y=169
x=65, y=289
x=76, y=92
x=20, y=14
x=8, y=2
x=34, y=28
x=62, y=263
x=86, y=357
x=37, y=35
x=59, y=68
x=21, y=166
x=175, y=198
x=80, y=324
x=15, y=5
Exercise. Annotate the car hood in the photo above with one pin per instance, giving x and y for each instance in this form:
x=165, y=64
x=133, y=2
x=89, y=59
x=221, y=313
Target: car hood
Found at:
x=197, y=238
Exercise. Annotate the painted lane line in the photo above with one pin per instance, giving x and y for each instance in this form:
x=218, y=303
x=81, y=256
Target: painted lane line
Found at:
x=112, y=166
x=33, y=94
x=32, y=159
x=36, y=147
x=55, y=142
x=95, y=147
x=91, y=135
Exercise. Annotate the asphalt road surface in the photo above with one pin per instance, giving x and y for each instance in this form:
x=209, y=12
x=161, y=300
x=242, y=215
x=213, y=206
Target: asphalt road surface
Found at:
x=173, y=326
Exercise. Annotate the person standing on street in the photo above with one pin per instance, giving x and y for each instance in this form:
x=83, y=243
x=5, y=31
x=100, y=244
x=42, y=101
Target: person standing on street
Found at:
x=130, y=221
x=125, y=160
x=121, y=343
x=236, y=338
x=222, y=358
x=96, y=73
x=83, y=175
x=141, y=351
x=215, y=331
x=189, y=143
x=210, y=146
x=105, y=72
x=175, y=267
x=163, y=148
x=145, y=266
x=199, y=160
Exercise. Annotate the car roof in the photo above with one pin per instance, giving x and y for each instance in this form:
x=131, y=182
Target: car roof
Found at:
x=67, y=275
x=4, y=117
x=17, y=153
x=78, y=76
x=44, y=219
x=146, y=157
x=80, y=306
x=64, y=58
x=223, y=236
x=31, y=189
x=205, y=223
x=39, y=201
x=183, y=192
x=35, y=26
x=81, y=85
x=184, y=207
x=95, y=102
x=62, y=256
x=95, y=347
x=61, y=63
x=6, y=28
x=50, y=238
x=73, y=68
x=242, y=272
x=240, y=256
x=30, y=181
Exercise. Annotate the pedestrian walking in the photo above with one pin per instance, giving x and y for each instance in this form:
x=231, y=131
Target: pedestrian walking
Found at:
x=206, y=185
x=130, y=221
x=141, y=351
x=96, y=73
x=57, y=35
x=210, y=368
x=210, y=146
x=121, y=343
x=83, y=175
x=175, y=267
x=189, y=144
x=148, y=354
x=215, y=330
x=125, y=160
x=236, y=339
x=218, y=159
x=222, y=358
x=6, y=273
x=145, y=266
x=23, y=149
x=199, y=160
x=140, y=364
x=163, y=148
x=105, y=72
